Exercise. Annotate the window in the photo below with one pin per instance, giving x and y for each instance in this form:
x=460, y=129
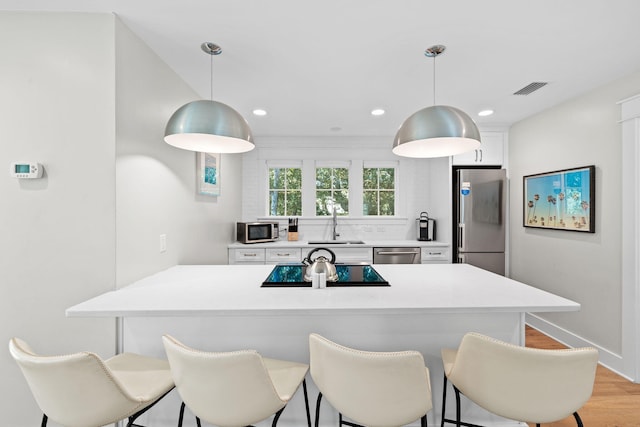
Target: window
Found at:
x=285, y=191
x=378, y=191
x=332, y=191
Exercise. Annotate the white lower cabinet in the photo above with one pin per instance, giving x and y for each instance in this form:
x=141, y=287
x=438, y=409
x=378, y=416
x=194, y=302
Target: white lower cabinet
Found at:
x=275, y=256
x=247, y=256
x=434, y=255
x=353, y=255
x=350, y=255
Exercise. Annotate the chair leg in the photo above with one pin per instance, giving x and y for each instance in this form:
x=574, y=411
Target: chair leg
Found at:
x=578, y=420
x=181, y=416
x=444, y=400
x=455, y=389
x=44, y=420
x=423, y=421
x=306, y=402
x=198, y=422
x=277, y=416
x=318, y=409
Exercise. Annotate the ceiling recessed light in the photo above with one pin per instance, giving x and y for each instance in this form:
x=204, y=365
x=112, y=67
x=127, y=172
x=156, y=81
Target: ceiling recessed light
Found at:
x=377, y=112
x=485, y=113
x=259, y=112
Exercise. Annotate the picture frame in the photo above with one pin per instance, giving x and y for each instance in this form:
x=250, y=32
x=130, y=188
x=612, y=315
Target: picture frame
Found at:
x=561, y=200
x=208, y=173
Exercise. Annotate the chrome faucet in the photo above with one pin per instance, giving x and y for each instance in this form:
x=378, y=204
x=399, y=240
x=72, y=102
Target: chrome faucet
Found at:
x=334, y=221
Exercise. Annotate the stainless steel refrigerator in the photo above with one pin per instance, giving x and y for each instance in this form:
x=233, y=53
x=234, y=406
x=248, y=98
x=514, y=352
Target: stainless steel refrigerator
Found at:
x=479, y=209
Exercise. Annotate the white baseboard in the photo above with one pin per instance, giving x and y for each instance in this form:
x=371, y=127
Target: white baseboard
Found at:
x=607, y=358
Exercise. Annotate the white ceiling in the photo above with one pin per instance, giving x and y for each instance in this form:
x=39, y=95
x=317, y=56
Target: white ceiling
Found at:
x=319, y=67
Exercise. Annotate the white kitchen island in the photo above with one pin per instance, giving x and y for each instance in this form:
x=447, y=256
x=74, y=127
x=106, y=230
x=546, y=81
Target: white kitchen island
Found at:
x=223, y=307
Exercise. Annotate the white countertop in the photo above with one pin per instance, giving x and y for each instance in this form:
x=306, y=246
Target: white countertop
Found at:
x=211, y=290
x=366, y=244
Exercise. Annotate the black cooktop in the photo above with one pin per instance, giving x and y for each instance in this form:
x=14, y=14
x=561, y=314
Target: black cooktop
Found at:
x=292, y=275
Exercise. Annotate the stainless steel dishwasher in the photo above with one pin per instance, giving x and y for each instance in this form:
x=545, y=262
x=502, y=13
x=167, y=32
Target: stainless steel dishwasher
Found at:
x=396, y=255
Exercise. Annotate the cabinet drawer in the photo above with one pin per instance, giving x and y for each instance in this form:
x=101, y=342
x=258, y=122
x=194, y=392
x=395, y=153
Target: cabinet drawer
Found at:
x=434, y=254
x=249, y=255
x=283, y=255
x=347, y=255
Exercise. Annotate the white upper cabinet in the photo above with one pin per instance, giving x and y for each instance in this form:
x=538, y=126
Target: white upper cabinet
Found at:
x=491, y=151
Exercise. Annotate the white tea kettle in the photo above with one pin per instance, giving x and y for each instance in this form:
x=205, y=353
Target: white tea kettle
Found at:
x=320, y=265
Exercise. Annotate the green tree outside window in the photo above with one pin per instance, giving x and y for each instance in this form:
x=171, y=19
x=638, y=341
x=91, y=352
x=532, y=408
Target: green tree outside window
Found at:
x=332, y=191
x=285, y=191
x=378, y=193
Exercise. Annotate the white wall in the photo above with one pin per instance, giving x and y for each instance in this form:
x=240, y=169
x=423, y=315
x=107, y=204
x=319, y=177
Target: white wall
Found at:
x=155, y=182
x=58, y=232
x=422, y=186
x=82, y=95
x=580, y=266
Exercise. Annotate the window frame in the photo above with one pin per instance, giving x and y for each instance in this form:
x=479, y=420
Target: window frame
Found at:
x=355, y=167
x=378, y=190
x=266, y=195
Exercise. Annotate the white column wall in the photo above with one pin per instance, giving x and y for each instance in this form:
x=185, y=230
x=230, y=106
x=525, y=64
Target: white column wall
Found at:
x=155, y=182
x=58, y=232
x=83, y=96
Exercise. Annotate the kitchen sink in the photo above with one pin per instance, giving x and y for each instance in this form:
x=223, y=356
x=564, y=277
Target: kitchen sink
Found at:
x=335, y=242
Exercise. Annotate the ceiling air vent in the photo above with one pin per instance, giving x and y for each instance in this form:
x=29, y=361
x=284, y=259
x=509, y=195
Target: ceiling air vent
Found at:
x=531, y=87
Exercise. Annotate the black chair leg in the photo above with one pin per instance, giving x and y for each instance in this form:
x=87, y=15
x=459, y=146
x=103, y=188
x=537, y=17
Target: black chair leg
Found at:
x=181, y=416
x=578, y=420
x=318, y=409
x=44, y=420
x=423, y=421
x=340, y=423
x=277, y=416
x=455, y=389
x=198, y=422
x=306, y=402
x=444, y=400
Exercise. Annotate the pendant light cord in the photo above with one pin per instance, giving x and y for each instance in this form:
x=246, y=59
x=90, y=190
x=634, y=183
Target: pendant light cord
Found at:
x=434, y=80
x=211, y=82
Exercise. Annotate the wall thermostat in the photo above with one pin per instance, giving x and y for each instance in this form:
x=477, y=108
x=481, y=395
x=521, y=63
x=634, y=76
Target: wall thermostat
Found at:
x=26, y=170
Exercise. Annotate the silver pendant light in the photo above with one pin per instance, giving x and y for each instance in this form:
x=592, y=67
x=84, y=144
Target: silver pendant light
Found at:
x=209, y=126
x=436, y=131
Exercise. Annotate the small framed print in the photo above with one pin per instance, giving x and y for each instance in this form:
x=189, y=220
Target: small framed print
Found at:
x=208, y=175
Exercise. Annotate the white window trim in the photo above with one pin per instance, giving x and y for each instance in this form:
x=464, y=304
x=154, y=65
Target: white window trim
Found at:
x=309, y=187
x=264, y=191
x=396, y=180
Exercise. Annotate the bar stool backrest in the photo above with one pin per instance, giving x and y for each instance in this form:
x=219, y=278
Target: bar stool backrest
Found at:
x=223, y=388
x=522, y=383
x=376, y=389
x=74, y=390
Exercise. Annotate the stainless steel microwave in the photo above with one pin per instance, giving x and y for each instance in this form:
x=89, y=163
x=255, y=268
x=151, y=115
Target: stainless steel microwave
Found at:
x=257, y=232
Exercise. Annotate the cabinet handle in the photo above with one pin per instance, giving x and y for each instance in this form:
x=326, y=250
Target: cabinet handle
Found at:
x=396, y=253
x=480, y=155
x=283, y=254
x=249, y=254
x=476, y=155
x=435, y=253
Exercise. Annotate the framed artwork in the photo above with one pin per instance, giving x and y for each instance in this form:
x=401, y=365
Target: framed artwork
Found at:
x=208, y=173
x=561, y=200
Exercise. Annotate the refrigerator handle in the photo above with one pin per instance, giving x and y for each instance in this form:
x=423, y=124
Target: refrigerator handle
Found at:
x=461, y=237
x=461, y=259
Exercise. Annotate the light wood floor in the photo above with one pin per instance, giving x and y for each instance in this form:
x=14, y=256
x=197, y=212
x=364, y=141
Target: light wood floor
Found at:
x=615, y=401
